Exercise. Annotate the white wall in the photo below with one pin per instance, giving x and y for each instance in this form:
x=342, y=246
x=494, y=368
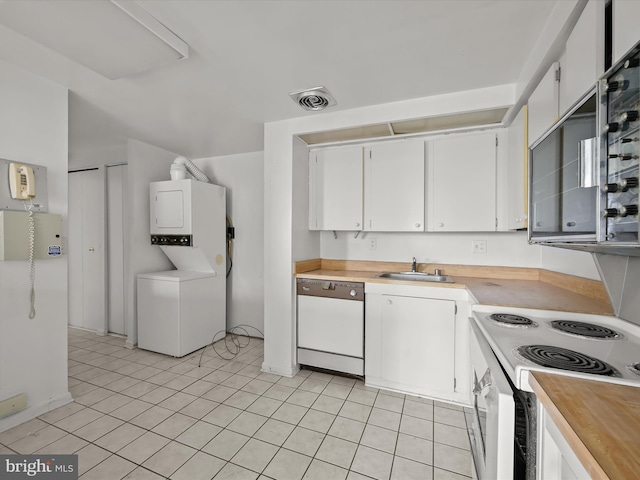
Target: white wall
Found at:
x=95, y=139
x=503, y=248
x=307, y=244
x=572, y=262
x=146, y=164
x=243, y=177
x=33, y=352
x=509, y=248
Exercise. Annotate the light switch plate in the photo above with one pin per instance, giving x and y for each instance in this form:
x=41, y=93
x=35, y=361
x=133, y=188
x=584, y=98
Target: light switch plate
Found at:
x=373, y=243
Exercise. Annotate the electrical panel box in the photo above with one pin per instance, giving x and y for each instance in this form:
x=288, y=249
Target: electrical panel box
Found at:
x=14, y=235
x=8, y=202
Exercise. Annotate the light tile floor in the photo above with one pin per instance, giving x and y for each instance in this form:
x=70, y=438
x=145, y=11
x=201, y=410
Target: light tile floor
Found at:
x=141, y=415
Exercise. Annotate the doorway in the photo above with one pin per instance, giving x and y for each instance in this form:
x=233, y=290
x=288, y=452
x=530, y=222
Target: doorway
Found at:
x=86, y=250
x=97, y=254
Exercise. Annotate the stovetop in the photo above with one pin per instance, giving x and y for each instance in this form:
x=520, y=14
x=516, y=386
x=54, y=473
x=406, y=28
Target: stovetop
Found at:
x=608, y=354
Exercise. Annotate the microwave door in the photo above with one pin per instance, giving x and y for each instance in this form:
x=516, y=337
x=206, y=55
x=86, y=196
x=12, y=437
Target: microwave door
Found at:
x=578, y=202
x=562, y=201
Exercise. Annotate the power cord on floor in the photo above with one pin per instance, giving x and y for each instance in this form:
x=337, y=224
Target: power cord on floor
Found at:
x=230, y=236
x=232, y=341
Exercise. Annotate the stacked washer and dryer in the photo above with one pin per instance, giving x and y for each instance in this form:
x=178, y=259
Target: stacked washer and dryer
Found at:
x=180, y=311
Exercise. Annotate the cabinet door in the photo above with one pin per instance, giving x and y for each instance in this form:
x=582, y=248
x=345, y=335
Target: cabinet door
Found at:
x=394, y=187
x=625, y=26
x=417, y=347
x=543, y=104
x=462, y=184
x=335, y=189
x=517, y=179
x=583, y=61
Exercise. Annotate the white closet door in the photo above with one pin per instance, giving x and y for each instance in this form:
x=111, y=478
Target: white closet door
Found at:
x=86, y=250
x=116, y=178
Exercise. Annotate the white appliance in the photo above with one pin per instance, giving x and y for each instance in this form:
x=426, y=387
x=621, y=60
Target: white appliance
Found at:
x=180, y=311
x=331, y=325
x=513, y=342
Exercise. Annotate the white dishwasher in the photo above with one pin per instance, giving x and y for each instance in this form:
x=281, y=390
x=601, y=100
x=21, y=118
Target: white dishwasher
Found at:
x=331, y=325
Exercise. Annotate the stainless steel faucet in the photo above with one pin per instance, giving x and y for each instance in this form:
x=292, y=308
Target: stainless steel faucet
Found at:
x=413, y=265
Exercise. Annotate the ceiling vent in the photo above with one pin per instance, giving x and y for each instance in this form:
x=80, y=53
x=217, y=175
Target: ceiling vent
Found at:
x=316, y=98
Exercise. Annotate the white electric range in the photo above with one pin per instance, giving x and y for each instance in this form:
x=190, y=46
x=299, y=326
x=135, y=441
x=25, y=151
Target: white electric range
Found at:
x=507, y=344
x=595, y=347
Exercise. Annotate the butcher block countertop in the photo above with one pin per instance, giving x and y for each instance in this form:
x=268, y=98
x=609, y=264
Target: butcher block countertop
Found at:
x=599, y=420
x=503, y=286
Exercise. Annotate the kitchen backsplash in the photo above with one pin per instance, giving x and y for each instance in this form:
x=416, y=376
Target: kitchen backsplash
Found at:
x=500, y=248
x=621, y=276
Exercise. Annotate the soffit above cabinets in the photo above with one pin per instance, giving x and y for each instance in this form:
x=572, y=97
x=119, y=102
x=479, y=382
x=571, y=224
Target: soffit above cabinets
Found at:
x=441, y=123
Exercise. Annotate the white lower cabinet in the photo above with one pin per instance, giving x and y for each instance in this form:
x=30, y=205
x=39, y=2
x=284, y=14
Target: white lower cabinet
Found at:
x=556, y=459
x=410, y=344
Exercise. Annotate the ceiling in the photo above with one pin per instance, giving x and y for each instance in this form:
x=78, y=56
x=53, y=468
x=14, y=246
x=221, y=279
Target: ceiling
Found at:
x=246, y=56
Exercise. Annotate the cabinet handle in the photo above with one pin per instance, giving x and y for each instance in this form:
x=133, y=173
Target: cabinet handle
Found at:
x=389, y=302
x=357, y=224
x=441, y=224
x=417, y=225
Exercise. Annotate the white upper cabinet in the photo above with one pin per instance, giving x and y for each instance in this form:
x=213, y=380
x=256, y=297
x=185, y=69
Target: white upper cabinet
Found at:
x=543, y=104
x=625, y=27
x=517, y=202
x=583, y=60
x=335, y=189
x=569, y=79
x=394, y=186
x=462, y=183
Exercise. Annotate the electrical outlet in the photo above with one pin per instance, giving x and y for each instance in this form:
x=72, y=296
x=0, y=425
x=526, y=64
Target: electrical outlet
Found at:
x=373, y=243
x=478, y=246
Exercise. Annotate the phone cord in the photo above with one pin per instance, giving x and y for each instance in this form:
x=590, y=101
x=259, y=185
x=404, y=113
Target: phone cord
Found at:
x=32, y=265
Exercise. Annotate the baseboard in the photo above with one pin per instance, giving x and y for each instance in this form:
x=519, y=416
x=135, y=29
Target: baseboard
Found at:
x=34, y=411
x=278, y=370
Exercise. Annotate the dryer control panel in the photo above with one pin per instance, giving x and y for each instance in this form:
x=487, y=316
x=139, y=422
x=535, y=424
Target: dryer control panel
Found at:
x=177, y=240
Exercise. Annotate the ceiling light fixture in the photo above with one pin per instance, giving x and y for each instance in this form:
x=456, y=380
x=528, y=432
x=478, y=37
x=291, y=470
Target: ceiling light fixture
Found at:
x=316, y=98
x=115, y=38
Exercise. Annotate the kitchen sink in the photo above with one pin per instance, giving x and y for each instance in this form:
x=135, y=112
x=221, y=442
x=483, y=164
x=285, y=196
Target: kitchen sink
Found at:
x=417, y=276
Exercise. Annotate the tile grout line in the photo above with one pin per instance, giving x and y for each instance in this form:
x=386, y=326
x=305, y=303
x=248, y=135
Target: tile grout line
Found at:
x=235, y=371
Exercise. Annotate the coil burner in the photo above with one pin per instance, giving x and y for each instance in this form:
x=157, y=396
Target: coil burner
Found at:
x=510, y=320
x=635, y=368
x=565, y=359
x=582, y=329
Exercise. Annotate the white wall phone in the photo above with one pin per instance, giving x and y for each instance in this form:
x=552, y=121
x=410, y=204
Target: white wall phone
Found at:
x=21, y=181
x=22, y=208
